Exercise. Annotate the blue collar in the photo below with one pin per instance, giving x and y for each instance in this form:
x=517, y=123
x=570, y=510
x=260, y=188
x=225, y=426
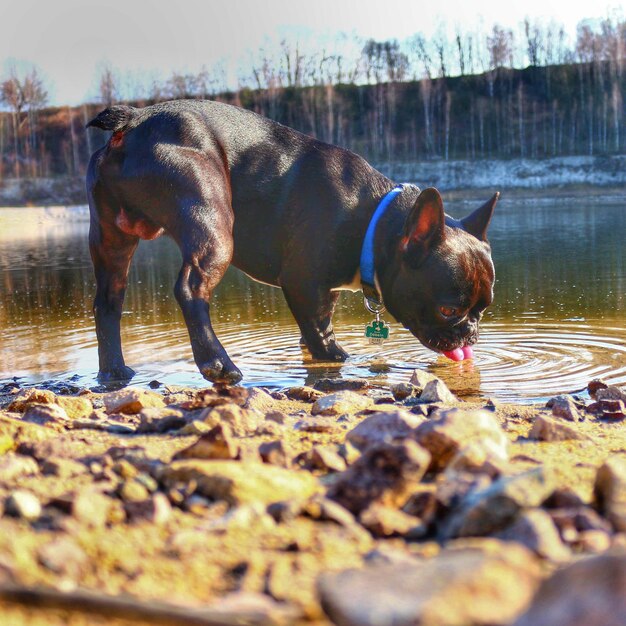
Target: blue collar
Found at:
x=368, y=280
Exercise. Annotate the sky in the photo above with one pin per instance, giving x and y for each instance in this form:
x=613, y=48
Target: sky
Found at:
x=70, y=41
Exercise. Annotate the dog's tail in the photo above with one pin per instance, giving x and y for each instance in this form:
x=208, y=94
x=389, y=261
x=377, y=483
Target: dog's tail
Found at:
x=114, y=118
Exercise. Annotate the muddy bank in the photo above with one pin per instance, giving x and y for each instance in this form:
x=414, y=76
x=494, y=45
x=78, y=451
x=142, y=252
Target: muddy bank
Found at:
x=343, y=504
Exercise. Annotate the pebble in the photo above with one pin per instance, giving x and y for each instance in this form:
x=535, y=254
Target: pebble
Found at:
x=276, y=453
x=447, y=432
x=14, y=466
x=131, y=400
x=385, y=473
x=437, y=391
x=23, y=504
x=304, y=394
x=402, y=391
x=218, y=443
x=565, y=407
x=384, y=427
x=331, y=385
x=340, y=403
x=545, y=428
x=242, y=421
x=610, y=491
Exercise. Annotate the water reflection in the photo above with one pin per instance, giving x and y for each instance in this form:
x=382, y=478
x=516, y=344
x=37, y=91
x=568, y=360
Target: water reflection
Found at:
x=556, y=322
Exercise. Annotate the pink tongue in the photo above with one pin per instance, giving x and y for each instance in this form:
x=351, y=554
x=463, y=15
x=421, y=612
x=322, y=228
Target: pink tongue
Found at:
x=455, y=355
x=468, y=353
x=460, y=354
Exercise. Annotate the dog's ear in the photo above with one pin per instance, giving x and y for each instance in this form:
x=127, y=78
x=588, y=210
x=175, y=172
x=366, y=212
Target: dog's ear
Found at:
x=424, y=227
x=477, y=222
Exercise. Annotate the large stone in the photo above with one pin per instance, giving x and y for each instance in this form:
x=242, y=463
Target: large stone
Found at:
x=340, y=403
x=549, y=429
x=488, y=510
x=304, y=394
x=610, y=491
x=240, y=482
x=589, y=592
x=564, y=407
x=131, y=400
x=386, y=427
x=436, y=391
x=457, y=588
x=420, y=378
x=536, y=530
x=218, y=443
x=451, y=430
x=243, y=422
x=31, y=396
x=386, y=474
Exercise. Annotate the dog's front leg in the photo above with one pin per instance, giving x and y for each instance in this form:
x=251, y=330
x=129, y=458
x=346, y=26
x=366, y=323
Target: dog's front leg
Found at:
x=313, y=308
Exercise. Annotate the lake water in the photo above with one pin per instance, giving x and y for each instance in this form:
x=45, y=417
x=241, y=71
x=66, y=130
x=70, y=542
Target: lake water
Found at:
x=558, y=318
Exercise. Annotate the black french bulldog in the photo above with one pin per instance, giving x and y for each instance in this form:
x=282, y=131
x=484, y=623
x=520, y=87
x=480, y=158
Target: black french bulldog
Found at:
x=230, y=186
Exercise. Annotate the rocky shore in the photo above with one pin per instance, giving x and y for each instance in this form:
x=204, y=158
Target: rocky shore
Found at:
x=340, y=504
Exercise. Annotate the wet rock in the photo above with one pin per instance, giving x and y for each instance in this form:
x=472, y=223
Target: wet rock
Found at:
x=385, y=473
x=242, y=421
x=449, y=431
x=218, y=443
x=548, y=429
x=610, y=491
x=332, y=385
x=456, y=588
x=131, y=401
x=609, y=409
x=595, y=385
x=51, y=415
x=384, y=521
x=536, y=530
x=340, y=403
x=260, y=400
x=402, y=391
x=384, y=427
x=217, y=395
x=611, y=393
x=23, y=504
x=279, y=395
x=420, y=378
x=76, y=407
x=488, y=510
x=14, y=466
x=240, y=482
x=160, y=420
x=437, y=391
x=304, y=394
x=589, y=591
x=276, y=453
x=565, y=408
x=63, y=556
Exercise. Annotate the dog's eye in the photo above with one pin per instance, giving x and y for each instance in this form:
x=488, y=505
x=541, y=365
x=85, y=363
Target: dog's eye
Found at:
x=449, y=311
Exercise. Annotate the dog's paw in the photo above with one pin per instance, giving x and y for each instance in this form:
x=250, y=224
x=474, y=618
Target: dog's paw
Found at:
x=331, y=352
x=119, y=374
x=218, y=372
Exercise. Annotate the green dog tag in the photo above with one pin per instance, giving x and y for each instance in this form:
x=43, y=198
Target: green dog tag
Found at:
x=377, y=331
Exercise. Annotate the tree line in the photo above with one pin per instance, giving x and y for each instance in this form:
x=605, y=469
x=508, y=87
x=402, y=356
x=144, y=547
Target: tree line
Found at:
x=503, y=94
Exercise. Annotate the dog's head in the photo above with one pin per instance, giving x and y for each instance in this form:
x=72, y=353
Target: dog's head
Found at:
x=440, y=278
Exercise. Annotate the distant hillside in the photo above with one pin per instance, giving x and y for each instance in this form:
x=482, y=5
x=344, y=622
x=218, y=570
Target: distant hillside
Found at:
x=533, y=113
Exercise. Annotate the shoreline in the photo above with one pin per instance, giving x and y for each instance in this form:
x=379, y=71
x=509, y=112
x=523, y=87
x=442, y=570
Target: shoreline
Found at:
x=569, y=176
x=307, y=506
